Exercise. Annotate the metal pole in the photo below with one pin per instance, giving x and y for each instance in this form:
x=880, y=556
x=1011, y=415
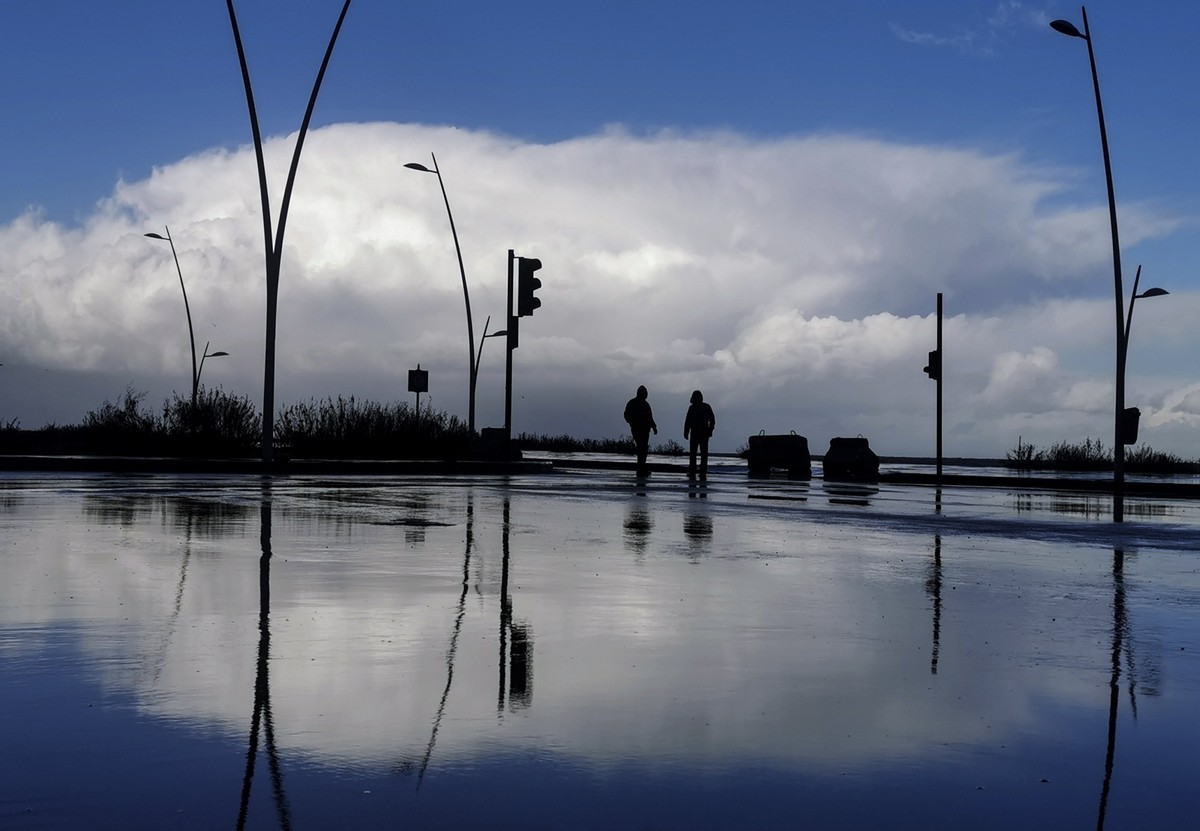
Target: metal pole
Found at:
x=274, y=244
x=466, y=299
x=508, y=370
x=941, y=372
x=505, y=610
x=1119, y=294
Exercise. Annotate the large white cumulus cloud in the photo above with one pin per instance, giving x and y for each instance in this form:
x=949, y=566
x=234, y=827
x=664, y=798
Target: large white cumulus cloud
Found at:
x=793, y=280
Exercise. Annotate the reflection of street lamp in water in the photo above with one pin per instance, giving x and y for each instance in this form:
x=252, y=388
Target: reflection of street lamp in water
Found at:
x=262, y=719
x=1119, y=635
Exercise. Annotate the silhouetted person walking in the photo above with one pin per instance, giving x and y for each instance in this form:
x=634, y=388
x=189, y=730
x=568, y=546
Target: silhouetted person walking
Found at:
x=699, y=425
x=640, y=418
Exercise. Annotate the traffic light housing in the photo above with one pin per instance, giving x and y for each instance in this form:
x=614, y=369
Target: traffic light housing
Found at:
x=934, y=368
x=527, y=284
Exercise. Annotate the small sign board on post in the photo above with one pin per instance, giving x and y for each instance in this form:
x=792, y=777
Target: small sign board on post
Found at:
x=418, y=382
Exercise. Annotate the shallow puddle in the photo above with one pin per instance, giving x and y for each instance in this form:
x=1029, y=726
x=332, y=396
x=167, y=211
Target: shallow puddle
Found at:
x=589, y=652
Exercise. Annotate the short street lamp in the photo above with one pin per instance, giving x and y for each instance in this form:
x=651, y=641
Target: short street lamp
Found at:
x=473, y=363
x=1134, y=297
x=196, y=368
x=200, y=369
x=479, y=355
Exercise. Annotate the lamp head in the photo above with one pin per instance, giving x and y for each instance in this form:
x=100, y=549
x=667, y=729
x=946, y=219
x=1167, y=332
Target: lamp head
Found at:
x=1067, y=28
x=418, y=166
x=1154, y=292
x=155, y=236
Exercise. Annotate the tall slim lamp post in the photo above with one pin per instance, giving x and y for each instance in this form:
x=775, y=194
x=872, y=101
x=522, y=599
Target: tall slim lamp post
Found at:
x=196, y=368
x=473, y=373
x=1067, y=28
x=186, y=307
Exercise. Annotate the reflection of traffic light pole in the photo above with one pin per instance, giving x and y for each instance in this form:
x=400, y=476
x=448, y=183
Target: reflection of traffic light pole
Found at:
x=516, y=641
x=526, y=285
x=934, y=370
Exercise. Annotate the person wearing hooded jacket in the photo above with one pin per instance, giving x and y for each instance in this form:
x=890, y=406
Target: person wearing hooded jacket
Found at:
x=698, y=426
x=640, y=418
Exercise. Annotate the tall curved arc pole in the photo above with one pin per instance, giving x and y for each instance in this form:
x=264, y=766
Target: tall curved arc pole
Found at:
x=466, y=299
x=1068, y=29
x=1119, y=295
x=188, y=311
x=273, y=241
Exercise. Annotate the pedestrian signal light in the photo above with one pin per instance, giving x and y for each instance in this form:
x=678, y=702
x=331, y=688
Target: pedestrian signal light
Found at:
x=934, y=368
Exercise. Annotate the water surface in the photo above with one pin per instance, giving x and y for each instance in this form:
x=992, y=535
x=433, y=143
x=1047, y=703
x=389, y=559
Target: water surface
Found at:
x=592, y=651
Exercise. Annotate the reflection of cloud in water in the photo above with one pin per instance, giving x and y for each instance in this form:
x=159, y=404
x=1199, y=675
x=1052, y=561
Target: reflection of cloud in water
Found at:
x=786, y=643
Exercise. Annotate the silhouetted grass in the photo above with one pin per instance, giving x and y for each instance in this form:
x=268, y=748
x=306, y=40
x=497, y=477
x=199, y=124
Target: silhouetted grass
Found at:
x=1148, y=460
x=570, y=444
x=347, y=428
x=218, y=424
x=670, y=447
x=1093, y=455
x=224, y=425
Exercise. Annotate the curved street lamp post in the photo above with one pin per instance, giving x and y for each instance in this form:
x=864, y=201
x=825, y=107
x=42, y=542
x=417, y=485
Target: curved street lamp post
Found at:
x=1133, y=298
x=473, y=365
x=196, y=384
x=1123, y=322
x=196, y=368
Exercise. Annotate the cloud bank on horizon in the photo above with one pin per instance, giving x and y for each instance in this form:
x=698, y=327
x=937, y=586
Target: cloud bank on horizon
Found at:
x=792, y=279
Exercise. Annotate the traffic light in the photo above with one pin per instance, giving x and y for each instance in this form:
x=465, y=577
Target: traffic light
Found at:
x=527, y=284
x=934, y=369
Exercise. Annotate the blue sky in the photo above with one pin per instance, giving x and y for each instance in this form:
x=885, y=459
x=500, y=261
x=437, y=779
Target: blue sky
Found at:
x=100, y=94
x=101, y=90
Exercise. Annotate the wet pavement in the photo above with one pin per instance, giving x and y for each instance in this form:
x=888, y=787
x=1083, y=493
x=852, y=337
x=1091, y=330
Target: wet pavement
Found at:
x=589, y=650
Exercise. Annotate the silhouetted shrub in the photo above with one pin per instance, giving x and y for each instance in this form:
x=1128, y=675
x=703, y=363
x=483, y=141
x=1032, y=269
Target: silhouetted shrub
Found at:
x=124, y=417
x=219, y=423
x=350, y=429
x=670, y=447
x=569, y=444
x=121, y=428
x=1148, y=460
x=1093, y=455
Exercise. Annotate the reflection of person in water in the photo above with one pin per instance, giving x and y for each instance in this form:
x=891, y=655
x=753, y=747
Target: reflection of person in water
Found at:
x=699, y=426
x=640, y=418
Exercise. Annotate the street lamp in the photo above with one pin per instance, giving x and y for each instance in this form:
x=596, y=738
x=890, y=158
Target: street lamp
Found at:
x=473, y=366
x=1133, y=298
x=479, y=355
x=1067, y=28
x=196, y=382
x=1154, y=292
x=196, y=369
